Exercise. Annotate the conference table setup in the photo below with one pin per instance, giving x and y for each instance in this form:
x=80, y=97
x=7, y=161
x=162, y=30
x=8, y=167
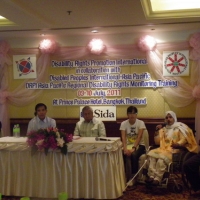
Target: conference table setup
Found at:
x=92, y=169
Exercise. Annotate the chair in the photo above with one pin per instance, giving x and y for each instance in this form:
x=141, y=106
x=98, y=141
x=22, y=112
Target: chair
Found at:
x=142, y=158
x=25, y=198
x=173, y=171
x=62, y=196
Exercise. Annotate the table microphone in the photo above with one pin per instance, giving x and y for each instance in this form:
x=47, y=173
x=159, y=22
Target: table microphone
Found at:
x=102, y=139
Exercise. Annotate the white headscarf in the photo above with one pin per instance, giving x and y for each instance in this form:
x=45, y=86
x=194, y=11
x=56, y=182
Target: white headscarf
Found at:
x=173, y=114
x=180, y=125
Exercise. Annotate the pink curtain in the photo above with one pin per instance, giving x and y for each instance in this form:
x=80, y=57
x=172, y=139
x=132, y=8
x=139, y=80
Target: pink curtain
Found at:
x=21, y=96
x=185, y=93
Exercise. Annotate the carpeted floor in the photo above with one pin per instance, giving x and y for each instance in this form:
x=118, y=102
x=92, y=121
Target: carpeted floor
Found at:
x=141, y=192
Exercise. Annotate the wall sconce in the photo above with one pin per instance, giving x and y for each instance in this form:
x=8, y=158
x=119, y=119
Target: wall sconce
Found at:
x=47, y=46
x=147, y=43
x=96, y=46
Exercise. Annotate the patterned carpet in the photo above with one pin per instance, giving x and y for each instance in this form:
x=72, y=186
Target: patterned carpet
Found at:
x=141, y=192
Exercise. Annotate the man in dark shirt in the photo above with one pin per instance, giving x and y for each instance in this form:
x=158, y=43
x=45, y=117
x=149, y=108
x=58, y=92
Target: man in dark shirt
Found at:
x=191, y=169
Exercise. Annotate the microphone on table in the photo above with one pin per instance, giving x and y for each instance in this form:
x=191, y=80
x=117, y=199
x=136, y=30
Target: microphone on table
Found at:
x=102, y=139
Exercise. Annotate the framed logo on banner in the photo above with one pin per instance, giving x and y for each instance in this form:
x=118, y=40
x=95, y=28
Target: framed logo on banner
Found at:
x=24, y=66
x=176, y=63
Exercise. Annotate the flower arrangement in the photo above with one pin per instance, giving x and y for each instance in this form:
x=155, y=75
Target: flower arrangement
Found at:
x=49, y=138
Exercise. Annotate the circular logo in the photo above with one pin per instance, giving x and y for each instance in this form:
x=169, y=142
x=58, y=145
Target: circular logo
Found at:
x=175, y=63
x=24, y=66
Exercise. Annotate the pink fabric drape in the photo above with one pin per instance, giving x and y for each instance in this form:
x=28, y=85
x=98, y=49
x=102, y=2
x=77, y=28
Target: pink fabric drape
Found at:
x=186, y=92
x=21, y=96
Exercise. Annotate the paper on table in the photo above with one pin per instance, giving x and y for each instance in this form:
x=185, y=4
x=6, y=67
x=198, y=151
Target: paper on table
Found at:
x=76, y=137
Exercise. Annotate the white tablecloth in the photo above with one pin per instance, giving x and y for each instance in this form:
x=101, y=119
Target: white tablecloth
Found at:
x=91, y=169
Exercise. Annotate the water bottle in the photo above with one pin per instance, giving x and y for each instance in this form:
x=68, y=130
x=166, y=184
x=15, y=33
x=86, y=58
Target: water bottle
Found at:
x=17, y=131
x=14, y=130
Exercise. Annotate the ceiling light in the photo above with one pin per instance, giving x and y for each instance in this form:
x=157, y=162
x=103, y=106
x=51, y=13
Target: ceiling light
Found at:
x=5, y=22
x=163, y=9
x=48, y=46
x=163, y=5
x=1, y=17
x=94, y=31
x=147, y=43
x=96, y=46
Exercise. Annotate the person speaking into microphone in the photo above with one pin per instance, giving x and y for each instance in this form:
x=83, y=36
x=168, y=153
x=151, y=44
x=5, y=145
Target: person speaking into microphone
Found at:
x=90, y=126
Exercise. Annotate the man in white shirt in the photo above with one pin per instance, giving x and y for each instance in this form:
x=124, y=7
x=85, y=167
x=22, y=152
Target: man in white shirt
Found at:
x=41, y=120
x=90, y=126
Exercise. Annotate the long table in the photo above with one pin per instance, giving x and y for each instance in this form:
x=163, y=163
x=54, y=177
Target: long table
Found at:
x=91, y=169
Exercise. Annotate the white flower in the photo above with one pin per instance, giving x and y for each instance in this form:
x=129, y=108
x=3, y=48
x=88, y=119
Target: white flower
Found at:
x=57, y=134
x=60, y=142
x=39, y=142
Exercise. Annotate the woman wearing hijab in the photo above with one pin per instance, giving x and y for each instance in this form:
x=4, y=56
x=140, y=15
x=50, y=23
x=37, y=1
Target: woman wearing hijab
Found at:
x=171, y=136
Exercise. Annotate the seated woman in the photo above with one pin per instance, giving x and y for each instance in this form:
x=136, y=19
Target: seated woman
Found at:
x=133, y=143
x=172, y=136
x=41, y=120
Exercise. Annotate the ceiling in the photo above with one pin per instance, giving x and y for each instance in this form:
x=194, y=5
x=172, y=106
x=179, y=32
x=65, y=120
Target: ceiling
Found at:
x=80, y=17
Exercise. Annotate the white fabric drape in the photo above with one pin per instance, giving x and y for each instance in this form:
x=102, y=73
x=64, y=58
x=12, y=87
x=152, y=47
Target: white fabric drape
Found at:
x=80, y=173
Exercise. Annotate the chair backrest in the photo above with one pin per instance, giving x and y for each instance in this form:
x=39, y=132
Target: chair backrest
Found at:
x=62, y=196
x=25, y=198
x=145, y=137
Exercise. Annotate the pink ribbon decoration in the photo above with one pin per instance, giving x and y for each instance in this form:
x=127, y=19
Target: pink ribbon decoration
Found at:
x=196, y=92
x=147, y=43
x=4, y=47
x=96, y=46
x=3, y=96
x=195, y=44
x=48, y=46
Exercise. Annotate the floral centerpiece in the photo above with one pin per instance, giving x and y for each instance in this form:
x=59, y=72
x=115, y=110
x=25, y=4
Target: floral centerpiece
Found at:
x=49, y=138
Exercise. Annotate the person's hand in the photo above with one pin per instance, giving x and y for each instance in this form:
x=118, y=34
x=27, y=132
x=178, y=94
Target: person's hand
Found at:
x=128, y=152
x=125, y=151
x=158, y=127
x=133, y=150
x=175, y=145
